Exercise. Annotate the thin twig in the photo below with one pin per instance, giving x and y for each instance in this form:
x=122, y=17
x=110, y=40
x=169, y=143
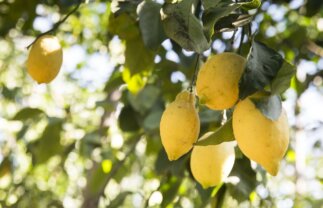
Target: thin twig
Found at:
x=193, y=81
x=241, y=40
x=57, y=24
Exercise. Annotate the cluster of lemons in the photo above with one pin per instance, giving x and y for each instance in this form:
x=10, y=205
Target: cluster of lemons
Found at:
x=45, y=59
x=262, y=140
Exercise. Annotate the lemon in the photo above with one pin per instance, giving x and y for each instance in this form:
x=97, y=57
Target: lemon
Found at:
x=45, y=59
x=179, y=125
x=217, y=83
x=259, y=138
x=211, y=164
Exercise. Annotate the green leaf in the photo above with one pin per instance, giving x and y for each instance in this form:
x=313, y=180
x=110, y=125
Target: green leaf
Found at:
x=222, y=134
x=269, y=106
x=213, y=14
x=282, y=81
x=128, y=119
x=232, y=22
x=119, y=200
x=48, y=144
x=150, y=24
x=207, y=4
x=253, y=4
x=124, y=26
x=169, y=189
x=28, y=113
x=138, y=57
x=247, y=183
x=262, y=67
x=183, y=27
x=152, y=121
x=145, y=99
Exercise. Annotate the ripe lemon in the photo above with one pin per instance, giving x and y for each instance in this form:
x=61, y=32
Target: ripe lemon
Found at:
x=217, y=83
x=45, y=59
x=259, y=138
x=211, y=164
x=179, y=125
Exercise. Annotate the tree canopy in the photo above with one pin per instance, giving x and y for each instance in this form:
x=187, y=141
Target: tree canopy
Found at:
x=91, y=137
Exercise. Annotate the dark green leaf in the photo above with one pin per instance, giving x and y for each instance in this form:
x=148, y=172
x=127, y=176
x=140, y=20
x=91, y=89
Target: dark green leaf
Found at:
x=183, y=27
x=138, y=57
x=210, y=116
x=27, y=113
x=212, y=15
x=222, y=134
x=128, y=119
x=283, y=78
x=269, y=106
x=247, y=183
x=262, y=66
x=232, y=22
x=150, y=24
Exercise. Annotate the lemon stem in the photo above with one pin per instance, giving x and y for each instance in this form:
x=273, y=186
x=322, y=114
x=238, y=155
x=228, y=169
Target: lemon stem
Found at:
x=193, y=81
x=57, y=24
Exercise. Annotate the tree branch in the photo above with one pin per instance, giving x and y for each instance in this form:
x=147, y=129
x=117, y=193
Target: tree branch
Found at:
x=57, y=24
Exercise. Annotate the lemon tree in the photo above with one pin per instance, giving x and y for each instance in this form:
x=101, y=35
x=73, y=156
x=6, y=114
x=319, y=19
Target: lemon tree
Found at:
x=108, y=131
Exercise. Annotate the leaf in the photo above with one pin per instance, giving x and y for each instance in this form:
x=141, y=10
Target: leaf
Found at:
x=119, y=200
x=134, y=82
x=152, y=121
x=145, y=99
x=48, y=144
x=124, y=26
x=138, y=57
x=207, y=4
x=128, y=119
x=282, y=81
x=269, y=106
x=169, y=189
x=253, y=4
x=183, y=27
x=27, y=113
x=150, y=24
x=232, y=22
x=222, y=134
x=262, y=66
x=213, y=14
x=247, y=180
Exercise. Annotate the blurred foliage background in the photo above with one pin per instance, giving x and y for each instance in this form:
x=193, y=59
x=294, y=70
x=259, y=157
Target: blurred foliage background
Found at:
x=91, y=137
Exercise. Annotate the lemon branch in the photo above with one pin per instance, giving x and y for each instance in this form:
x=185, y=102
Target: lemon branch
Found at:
x=57, y=24
x=193, y=81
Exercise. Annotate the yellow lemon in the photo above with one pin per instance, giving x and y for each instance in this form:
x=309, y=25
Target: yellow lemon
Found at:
x=259, y=138
x=45, y=59
x=217, y=83
x=211, y=164
x=179, y=125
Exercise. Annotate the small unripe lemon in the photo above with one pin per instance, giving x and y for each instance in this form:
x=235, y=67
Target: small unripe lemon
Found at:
x=259, y=138
x=179, y=125
x=211, y=164
x=45, y=59
x=217, y=83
